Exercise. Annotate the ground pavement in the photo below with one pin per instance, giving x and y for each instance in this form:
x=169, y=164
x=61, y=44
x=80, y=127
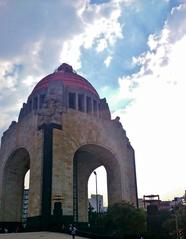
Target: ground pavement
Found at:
x=37, y=235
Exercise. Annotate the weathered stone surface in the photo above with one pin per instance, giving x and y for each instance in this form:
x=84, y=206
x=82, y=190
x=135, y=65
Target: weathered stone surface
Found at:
x=24, y=137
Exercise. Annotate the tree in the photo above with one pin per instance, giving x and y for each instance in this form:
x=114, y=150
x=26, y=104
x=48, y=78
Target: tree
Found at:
x=125, y=221
x=176, y=223
x=155, y=223
x=181, y=212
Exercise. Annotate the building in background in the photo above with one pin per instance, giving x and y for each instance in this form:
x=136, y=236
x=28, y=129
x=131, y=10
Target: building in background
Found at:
x=154, y=201
x=149, y=200
x=140, y=203
x=97, y=200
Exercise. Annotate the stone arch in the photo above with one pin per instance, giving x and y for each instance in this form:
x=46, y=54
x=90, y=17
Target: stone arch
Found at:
x=86, y=159
x=15, y=168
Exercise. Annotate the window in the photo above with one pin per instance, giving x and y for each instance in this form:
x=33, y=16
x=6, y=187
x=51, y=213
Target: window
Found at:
x=95, y=107
x=89, y=104
x=35, y=103
x=41, y=100
x=81, y=103
x=72, y=100
x=30, y=106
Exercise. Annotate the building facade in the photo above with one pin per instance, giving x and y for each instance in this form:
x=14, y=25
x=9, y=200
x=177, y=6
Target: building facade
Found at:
x=96, y=202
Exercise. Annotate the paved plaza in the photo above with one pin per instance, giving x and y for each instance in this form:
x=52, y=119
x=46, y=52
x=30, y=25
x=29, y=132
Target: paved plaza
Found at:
x=37, y=235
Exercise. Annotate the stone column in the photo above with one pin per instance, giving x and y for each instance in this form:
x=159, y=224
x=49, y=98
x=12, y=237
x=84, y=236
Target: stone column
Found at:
x=47, y=172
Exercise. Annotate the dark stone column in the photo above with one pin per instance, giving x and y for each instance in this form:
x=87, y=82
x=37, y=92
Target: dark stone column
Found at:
x=47, y=173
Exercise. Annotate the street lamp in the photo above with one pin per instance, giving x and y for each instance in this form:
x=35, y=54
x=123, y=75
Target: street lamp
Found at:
x=96, y=191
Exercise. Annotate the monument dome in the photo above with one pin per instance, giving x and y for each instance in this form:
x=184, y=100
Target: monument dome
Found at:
x=67, y=77
x=69, y=90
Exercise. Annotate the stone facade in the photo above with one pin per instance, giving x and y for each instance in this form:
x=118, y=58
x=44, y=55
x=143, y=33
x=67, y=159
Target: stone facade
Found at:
x=64, y=132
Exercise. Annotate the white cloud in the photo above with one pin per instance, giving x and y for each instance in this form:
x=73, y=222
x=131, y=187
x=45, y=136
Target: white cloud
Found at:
x=7, y=69
x=108, y=60
x=29, y=81
x=31, y=39
x=35, y=38
x=102, y=45
x=177, y=22
x=4, y=120
x=155, y=122
x=71, y=52
x=11, y=110
x=43, y=41
x=101, y=31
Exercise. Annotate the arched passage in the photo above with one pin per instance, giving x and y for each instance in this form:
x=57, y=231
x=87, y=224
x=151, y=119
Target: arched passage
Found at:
x=97, y=190
x=25, y=198
x=14, y=172
x=86, y=159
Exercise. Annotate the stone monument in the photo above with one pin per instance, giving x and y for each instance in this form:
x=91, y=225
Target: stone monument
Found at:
x=64, y=132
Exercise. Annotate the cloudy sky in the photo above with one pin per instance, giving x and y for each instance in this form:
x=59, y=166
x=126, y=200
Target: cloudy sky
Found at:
x=132, y=51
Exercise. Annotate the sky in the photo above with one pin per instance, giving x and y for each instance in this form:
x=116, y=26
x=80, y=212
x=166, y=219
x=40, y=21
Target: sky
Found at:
x=132, y=52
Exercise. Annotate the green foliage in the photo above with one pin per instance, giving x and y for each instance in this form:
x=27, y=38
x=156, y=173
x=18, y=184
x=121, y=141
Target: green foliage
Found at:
x=176, y=223
x=170, y=226
x=155, y=224
x=182, y=218
x=124, y=220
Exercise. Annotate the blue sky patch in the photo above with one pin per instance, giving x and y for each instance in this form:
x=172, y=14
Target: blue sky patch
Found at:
x=99, y=1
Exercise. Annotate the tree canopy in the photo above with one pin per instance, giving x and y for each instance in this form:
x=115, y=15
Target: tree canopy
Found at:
x=176, y=223
x=125, y=220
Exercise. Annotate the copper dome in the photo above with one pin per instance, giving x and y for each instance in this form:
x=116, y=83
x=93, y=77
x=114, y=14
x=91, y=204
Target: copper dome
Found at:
x=67, y=77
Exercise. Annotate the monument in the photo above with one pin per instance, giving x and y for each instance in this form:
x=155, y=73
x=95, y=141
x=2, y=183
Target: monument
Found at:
x=63, y=133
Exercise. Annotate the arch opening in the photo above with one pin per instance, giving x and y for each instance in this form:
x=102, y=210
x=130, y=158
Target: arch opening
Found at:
x=16, y=167
x=97, y=191
x=86, y=159
x=25, y=201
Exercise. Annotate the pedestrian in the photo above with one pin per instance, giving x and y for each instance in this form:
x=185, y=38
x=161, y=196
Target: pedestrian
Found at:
x=17, y=228
x=70, y=228
x=73, y=232
x=2, y=229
